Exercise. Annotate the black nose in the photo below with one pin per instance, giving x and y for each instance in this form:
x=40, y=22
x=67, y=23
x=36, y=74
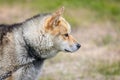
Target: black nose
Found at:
x=78, y=46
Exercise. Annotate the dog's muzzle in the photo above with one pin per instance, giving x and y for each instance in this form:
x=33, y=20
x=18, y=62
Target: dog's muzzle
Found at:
x=73, y=48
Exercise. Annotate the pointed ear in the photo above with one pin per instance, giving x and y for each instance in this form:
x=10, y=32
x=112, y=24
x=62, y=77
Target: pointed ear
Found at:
x=55, y=16
x=58, y=13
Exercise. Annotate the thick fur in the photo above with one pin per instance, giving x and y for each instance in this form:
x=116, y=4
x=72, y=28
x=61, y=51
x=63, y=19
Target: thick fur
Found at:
x=25, y=46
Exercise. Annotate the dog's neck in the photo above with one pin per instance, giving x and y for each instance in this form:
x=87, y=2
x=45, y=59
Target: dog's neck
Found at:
x=37, y=40
x=43, y=49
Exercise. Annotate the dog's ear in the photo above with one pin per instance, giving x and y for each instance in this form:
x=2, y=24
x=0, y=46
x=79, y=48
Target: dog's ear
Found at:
x=55, y=17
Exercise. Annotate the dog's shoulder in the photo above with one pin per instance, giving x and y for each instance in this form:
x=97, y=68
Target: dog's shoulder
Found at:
x=5, y=28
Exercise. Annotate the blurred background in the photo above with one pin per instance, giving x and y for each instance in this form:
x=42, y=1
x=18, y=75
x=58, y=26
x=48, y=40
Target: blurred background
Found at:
x=95, y=23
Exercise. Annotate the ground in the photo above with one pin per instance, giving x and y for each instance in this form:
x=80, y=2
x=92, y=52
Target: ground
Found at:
x=98, y=58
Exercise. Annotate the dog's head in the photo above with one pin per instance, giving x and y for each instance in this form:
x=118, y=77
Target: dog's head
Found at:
x=60, y=30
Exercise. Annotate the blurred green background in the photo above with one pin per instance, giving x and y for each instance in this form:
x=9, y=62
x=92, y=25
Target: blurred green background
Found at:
x=95, y=23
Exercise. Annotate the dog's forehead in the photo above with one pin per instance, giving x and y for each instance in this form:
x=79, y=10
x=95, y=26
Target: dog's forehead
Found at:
x=65, y=25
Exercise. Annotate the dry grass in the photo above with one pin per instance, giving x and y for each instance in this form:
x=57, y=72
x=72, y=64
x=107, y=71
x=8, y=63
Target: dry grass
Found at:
x=98, y=58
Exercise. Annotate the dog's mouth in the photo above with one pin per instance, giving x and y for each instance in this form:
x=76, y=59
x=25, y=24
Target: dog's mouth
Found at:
x=67, y=50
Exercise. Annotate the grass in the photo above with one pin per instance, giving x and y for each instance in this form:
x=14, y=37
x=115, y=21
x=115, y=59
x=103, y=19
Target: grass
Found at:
x=107, y=8
x=98, y=10
x=109, y=69
x=105, y=40
x=104, y=9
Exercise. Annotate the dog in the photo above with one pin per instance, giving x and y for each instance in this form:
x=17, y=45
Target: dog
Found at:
x=25, y=46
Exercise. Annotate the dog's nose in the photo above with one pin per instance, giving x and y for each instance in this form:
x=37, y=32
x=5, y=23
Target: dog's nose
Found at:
x=78, y=46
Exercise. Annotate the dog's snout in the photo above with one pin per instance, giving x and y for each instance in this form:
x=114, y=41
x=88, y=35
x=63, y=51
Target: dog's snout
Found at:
x=78, y=46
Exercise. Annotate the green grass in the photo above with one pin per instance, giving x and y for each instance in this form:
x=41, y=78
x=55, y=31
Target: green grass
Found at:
x=104, y=9
x=108, y=8
x=109, y=69
x=107, y=40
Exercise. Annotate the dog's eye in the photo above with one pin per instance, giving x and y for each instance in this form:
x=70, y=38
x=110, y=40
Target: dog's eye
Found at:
x=66, y=35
